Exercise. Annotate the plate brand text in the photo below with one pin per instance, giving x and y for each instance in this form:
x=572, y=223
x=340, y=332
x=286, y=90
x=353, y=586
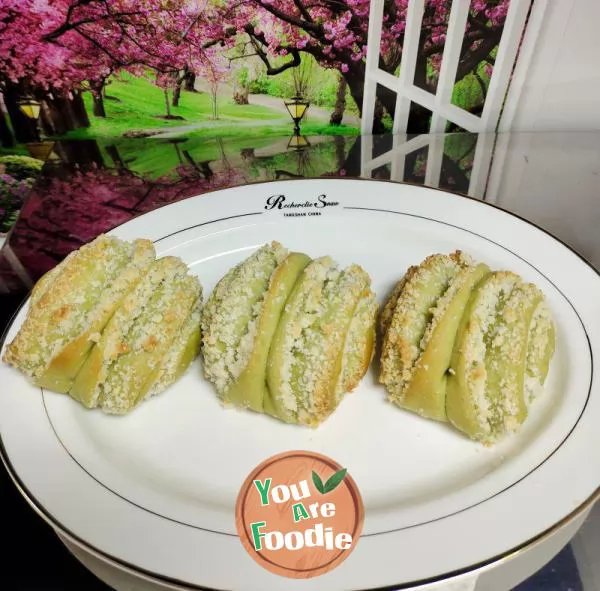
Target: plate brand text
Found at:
x=281, y=202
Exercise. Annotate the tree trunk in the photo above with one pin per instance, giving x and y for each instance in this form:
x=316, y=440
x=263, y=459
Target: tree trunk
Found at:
x=25, y=129
x=214, y=89
x=82, y=155
x=60, y=115
x=175, y=145
x=339, y=142
x=352, y=163
x=167, y=104
x=113, y=152
x=53, y=118
x=66, y=108
x=177, y=92
x=79, y=114
x=179, y=79
x=356, y=81
x=190, y=81
x=191, y=161
x=7, y=139
x=206, y=170
x=98, y=99
x=98, y=109
x=340, y=102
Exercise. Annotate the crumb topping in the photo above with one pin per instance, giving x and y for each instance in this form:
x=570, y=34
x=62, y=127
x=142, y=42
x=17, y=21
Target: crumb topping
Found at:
x=421, y=302
x=67, y=303
x=358, y=347
x=231, y=315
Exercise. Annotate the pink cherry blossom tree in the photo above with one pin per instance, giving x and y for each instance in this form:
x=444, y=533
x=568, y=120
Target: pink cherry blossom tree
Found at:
x=335, y=33
x=171, y=38
x=56, y=48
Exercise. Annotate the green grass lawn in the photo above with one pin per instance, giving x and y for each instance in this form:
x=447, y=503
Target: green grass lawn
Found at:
x=243, y=131
x=141, y=106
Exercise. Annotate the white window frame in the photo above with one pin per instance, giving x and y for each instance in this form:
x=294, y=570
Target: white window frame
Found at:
x=499, y=109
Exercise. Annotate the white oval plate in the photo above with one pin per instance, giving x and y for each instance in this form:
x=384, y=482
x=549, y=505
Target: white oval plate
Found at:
x=156, y=490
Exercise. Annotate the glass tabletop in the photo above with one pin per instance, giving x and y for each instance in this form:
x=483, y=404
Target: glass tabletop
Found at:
x=90, y=186
x=87, y=187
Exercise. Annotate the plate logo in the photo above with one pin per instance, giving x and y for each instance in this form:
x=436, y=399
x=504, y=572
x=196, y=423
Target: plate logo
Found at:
x=309, y=207
x=299, y=514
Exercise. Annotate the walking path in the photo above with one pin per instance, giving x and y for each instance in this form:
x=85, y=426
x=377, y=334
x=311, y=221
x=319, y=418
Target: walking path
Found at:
x=276, y=104
x=314, y=113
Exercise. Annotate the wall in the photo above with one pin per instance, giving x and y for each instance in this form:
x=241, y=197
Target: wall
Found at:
x=562, y=86
x=553, y=180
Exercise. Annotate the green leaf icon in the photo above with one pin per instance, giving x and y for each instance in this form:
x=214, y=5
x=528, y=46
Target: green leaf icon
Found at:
x=335, y=480
x=318, y=482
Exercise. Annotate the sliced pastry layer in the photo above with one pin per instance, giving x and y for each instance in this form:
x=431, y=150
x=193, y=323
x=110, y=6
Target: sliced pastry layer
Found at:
x=466, y=345
x=71, y=305
x=110, y=325
x=309, y=346
x=420, y=328
x=540, y=349
x=486, y=389
x=242, y=306
x=306, y=340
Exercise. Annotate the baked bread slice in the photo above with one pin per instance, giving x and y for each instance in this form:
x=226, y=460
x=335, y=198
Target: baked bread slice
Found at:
x=486, y=389
x=288, y=336
x=232, y=320
x=426, y=391
x=419, y=326
x=307, y=353
x=541, y=344
x=119, y=370
x=140, y=360
x=250, y=389
x=359, y=346
x=466, y=345
x=184, y=349
x=71, y=305
x=110, y=325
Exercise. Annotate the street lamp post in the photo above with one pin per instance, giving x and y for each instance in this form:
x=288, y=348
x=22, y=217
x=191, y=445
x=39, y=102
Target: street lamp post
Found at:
x=297, y=107
x=299, y=144
x=30, y=107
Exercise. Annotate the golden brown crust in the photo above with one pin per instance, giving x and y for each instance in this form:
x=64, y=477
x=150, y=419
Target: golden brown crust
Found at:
x=113, y=343
x=360, y=344
x=347, y=291
x=133, y=373
x=68, y=361
x=58, y=311
x=400, y=349
x=45, y=281
x=65, y=344
x=387, y=313
x=457, y=340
